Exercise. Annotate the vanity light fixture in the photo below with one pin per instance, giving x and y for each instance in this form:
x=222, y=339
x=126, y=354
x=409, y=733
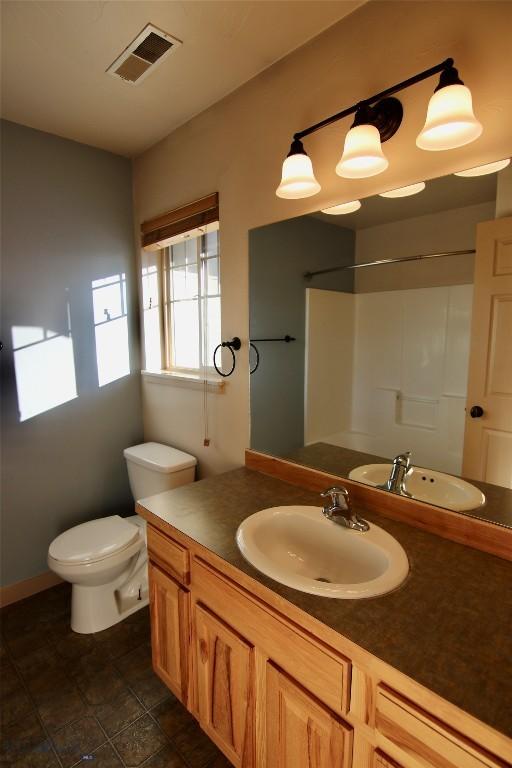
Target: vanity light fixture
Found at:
x=450, y=123
x=337, y=210
x=411, y=189
x=298, y=179
x=483, y=170
x=450, y=120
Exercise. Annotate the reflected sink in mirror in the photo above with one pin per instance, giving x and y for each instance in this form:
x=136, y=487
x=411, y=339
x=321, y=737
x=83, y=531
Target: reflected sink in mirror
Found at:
x=300, y=548
x=435, y=488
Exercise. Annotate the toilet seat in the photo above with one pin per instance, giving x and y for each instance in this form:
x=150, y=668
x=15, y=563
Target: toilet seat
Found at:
x=94, y=541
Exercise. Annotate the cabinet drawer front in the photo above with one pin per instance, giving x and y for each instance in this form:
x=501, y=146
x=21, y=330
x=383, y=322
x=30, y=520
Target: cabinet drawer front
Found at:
x=168, y=554
x=426, y=741
x=301, y=732
x=322, y=671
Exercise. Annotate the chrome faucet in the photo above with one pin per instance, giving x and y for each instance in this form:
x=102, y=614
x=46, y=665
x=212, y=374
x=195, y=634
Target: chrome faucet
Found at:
x=340, y=509
x=401, y=468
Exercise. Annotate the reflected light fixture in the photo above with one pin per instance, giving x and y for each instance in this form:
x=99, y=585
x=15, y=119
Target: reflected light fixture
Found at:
x=298, y=179
x=411, y=189
x=338, y=210
x=483, y=170
x=450, y=120
x=450, y=123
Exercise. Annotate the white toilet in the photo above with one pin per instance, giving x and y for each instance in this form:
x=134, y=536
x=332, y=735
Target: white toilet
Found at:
x=106, y=559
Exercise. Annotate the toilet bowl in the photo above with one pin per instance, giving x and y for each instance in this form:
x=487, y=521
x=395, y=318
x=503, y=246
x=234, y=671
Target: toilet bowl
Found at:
x=105, y=560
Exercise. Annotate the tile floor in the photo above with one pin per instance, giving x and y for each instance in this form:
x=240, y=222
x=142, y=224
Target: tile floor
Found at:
x=88, y=700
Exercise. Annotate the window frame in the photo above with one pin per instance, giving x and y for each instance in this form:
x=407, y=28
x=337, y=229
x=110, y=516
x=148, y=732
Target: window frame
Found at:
x=201, y=300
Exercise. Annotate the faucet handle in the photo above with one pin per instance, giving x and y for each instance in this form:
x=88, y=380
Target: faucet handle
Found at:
x=403, y=459
x=335, y=493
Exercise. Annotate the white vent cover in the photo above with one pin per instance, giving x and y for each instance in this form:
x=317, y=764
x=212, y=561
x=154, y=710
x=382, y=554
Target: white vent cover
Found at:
x=143, y=55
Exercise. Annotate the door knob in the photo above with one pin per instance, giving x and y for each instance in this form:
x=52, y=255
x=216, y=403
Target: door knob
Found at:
x=476, y=412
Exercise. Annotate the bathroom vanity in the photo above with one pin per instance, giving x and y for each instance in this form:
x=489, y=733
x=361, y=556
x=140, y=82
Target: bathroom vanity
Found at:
x=279, y=678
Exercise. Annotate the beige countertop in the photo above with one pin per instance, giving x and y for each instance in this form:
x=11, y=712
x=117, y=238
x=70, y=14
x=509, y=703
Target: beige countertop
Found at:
x=448, y=627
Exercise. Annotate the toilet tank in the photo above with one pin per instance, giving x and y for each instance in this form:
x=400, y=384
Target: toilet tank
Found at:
x=154, y=468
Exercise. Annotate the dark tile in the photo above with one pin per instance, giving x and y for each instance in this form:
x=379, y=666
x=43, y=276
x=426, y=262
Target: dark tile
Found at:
x=220, y=762
x=172, y=716
x=78, y=739
x=57, y=709
x=126, y=638
x=136, y=668
x=166, y=758
x=101, y=686
x=41, y=756
x=118, y=713
x=136, y=662
x=104, y=757
x=33, y=662
x=20, y=737
x=48, y=681
x=26, y=642
x=140, y=741
x=194, y=745
x=139, y=617
x=88, y=663
x=10, y=680
x=149, y=689
x=15, y=706
x=74, y=646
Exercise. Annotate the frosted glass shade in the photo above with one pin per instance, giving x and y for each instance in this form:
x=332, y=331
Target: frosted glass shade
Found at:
x=450, y=120
x=411, y=189
x=362, y=154
x=338, y=210
x=298, y=179
x=483, y=170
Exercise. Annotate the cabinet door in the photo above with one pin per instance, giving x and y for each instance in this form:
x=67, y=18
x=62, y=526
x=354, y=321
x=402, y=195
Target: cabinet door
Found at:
x=225, y=687
x=380, y=760
x=170, y=631
x=301, y=732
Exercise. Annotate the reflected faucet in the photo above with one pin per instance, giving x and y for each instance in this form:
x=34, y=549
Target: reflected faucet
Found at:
x=340, y=509
x=399, y=471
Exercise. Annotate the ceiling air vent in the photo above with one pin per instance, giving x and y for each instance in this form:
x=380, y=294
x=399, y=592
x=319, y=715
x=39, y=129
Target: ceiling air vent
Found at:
x=142, y=56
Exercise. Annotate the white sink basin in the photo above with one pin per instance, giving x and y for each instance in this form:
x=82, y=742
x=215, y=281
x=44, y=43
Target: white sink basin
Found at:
x=426, y=485
x=300, y=548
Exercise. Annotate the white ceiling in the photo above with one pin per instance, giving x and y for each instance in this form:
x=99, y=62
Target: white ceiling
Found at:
x=54, y=57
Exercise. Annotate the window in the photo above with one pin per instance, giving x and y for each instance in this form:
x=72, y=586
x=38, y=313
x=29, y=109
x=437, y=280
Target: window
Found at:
x=193, y=301
x=181, y=289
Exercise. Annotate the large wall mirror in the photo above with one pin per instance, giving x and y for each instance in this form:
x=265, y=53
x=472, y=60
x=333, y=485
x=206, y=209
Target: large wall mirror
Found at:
x=355, y=363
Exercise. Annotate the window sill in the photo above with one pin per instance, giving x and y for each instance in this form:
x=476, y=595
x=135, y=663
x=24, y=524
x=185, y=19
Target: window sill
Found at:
x=189, y=380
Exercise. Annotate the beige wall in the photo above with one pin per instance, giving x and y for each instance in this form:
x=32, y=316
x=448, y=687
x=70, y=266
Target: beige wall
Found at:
x=237, y=147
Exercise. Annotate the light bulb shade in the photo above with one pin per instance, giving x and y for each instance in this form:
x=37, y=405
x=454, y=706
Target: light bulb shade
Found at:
x=483, y=170
x=338, y=210
x=362, y=153
x=450, y=120
x=411, y=189
x=298, y=179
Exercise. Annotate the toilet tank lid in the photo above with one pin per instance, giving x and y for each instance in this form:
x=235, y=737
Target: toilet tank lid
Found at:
x=160, y=458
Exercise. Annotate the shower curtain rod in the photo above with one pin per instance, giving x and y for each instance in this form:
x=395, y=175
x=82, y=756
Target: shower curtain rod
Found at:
x=378, y=262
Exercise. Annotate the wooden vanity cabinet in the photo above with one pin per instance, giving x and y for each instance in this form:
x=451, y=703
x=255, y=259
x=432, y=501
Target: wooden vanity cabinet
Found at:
x=169, y=606
x=273, y=693
x=300, y=731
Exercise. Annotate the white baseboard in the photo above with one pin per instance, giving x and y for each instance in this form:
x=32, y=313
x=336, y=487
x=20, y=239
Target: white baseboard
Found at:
x=21, y=589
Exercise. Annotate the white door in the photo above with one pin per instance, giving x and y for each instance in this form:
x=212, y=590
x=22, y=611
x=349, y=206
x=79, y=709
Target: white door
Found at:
x=488, y=434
